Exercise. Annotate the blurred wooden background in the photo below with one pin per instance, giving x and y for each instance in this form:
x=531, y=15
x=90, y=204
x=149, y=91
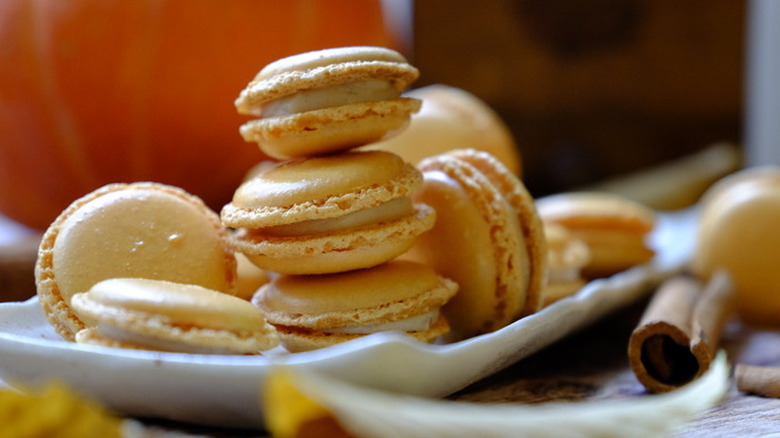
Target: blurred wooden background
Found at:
x=592, y=88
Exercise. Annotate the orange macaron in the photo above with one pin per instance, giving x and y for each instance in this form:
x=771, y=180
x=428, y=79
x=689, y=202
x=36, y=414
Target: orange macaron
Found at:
x=452, y=118
x=615, y=228
x=315, y=311
x=327, y=101
x=487, y=238
x=138, y=313
x=145, y=230
x=328, y=214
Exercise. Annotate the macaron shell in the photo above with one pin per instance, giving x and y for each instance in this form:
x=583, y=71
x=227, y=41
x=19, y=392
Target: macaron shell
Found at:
x=320, y=188
x=324, y=68
x=174, y=312
x=393, y=291
x=306, y=340
x=452, y=118
x=615, y=228
x=350, y=249
x=514, y=191
x=478, y=242
x=141, y=230
x=329, y=130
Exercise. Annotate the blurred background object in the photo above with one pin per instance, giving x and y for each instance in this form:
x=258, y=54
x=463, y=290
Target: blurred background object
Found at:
x=592, y=89
x=101, y=91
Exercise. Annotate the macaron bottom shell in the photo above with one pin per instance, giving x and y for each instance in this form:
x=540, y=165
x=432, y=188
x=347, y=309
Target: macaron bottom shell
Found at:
x=297, y=340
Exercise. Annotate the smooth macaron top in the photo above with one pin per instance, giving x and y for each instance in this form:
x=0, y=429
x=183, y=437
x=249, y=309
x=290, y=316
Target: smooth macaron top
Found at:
x=144, y=230
x=179, y=304
x=452, y=118
x=389, y=292
x=320, y=187
x=327, y=68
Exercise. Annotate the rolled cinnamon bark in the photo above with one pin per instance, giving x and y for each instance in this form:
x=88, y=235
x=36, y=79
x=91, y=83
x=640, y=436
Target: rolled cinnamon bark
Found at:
x=677, y=337
x=759, y=380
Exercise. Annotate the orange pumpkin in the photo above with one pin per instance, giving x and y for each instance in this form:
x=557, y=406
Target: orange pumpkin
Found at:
x=99, y=91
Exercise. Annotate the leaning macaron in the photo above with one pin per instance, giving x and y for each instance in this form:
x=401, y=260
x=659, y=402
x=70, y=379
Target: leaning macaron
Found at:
x=452, y=118
x=315, y=311
x=328, y=214
x=615, y=228
x=327, y=100
x=159, y=315
x=145, y=230
x=737, y=232
x=487, y=238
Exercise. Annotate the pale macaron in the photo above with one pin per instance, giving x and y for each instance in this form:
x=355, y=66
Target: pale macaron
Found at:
x=737, y=231
x=145, y=230
x=327, y=100
x=487, y=238
x=567, y=256
x=452, y=118
x=328, y=214
x=315, y=311
x=159, y=315
x=615, y=228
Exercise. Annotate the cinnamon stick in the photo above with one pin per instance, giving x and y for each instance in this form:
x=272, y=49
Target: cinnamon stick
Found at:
x=759, y=380
x=677, y=337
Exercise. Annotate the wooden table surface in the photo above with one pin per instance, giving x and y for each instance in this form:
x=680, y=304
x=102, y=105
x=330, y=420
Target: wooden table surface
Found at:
x=589, y=365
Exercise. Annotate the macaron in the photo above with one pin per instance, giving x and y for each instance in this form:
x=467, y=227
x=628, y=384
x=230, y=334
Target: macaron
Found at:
x=145, y=230
x=160, y=315
x=737, y=232
x=315, y=311
x=327, y=100
x=328, y=214
x=566, y=256
x=614, y=227
x=452, y=118
x=487, y=238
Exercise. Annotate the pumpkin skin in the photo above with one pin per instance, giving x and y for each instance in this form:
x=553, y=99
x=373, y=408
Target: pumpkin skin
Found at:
x=101, y=91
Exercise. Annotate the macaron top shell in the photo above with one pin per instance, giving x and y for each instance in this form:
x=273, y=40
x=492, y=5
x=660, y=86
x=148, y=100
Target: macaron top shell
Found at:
x=320, y=187
x=144, y=230
x=389, y=292
x=323, y=69
x=181, y=304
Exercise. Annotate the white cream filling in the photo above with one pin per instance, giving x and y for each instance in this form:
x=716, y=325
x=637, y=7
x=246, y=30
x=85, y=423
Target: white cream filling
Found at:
x=336, y=95
x=122, y=335
x=414, y=324
x=389, y=211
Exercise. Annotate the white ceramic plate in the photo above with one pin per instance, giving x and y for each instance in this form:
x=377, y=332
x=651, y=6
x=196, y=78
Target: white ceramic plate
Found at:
x=224, y=390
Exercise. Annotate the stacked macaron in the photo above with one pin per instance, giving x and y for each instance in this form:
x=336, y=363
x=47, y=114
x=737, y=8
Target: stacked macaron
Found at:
x=326, y=219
